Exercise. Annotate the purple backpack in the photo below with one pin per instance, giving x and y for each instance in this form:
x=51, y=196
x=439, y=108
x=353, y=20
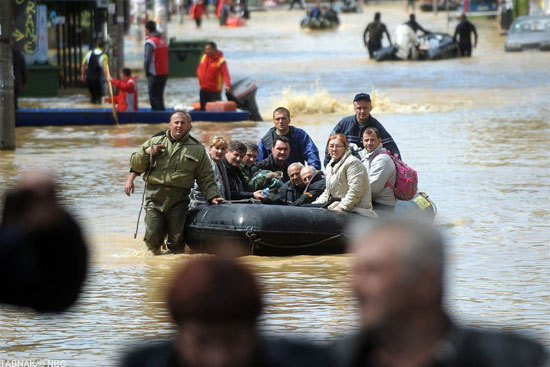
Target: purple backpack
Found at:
x=406, y=180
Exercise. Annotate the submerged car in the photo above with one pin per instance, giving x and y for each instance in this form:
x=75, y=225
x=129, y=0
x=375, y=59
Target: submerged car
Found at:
x=529, y=32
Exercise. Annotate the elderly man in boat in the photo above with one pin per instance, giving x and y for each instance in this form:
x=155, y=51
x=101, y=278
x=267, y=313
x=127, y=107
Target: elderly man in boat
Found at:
x=291, y=191
x=300, y=189
x=170, y=164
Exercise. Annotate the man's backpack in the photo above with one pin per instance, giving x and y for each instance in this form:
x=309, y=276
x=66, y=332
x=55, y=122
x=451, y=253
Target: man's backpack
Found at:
x=406, y=180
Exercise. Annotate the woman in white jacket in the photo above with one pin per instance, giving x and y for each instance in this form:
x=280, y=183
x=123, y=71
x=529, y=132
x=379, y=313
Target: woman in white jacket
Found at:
x=347, y=183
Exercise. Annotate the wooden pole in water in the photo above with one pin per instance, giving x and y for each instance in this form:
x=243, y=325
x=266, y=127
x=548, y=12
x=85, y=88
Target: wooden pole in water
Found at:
x=115, y=114
x=7, y=104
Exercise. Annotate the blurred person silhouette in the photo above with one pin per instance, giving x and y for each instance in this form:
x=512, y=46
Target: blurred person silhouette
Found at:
x=463, y=32
x=372, y=36
x=397, y=277
x=20, y=74
x=215, y=303
x=43, y=253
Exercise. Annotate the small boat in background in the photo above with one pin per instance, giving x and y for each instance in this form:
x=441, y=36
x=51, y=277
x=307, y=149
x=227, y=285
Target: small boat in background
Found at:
x=104, y=116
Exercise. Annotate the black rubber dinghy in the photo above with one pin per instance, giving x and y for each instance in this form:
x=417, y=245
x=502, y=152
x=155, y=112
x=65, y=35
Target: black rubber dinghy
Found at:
x=278, y=230
x=269, y=230
x=432, y=46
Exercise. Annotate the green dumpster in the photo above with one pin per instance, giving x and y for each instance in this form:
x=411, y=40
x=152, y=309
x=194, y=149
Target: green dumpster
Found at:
x=184, y=57
x=42, y=81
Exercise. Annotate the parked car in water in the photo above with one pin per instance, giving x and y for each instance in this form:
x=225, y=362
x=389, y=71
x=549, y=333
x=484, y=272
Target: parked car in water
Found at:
x=529, y=32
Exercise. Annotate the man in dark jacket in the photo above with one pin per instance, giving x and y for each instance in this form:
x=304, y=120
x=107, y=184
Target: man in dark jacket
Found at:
x=292, y=189
x=277, y=160
x=372, y=37
x=464, y=30
x=354, y=126
x=20, y=73
x=397, y=278
x=304, y=149
x=237, y=183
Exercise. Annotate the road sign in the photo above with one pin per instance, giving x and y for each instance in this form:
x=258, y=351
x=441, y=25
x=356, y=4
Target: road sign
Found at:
x=25, y=25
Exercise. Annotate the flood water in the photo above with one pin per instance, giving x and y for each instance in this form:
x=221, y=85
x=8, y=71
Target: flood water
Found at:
x=476, y=130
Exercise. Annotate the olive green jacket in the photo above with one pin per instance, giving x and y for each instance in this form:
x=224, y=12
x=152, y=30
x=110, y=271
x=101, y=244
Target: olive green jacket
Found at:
x=179, y=165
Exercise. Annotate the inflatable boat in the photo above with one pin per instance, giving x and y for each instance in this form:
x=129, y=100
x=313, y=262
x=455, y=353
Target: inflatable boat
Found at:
x=238, y=229
x=432, y=46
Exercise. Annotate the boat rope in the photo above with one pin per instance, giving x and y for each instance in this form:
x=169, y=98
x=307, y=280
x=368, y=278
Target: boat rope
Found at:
x=256, y=241
x=144, y=190
x=243, y=201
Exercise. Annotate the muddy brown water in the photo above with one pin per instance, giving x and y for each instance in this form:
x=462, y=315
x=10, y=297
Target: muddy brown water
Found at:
x=477, y=131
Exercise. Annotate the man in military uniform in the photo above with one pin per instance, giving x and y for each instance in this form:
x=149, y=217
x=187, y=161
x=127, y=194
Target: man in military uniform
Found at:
x=170, y=164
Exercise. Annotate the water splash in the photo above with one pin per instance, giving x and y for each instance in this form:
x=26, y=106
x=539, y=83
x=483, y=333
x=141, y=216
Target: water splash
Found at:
x=321, y=102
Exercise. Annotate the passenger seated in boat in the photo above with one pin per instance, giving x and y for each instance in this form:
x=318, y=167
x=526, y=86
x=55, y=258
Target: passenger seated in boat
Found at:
x=381, y=171
x=215, y=304
x=249, y=160
x=127, y=97
x=304, y=149
x=277, y=160
x=292, y=190
x=216, y=151
x=237, y=183
x=329, y=16
x=353, y=126
x=315, y=184
x=347, y=182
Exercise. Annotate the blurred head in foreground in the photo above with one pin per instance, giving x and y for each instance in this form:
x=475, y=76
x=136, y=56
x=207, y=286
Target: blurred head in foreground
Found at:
x=215, y=303
x=397, y=277
x=43, y=253
x=397, y=273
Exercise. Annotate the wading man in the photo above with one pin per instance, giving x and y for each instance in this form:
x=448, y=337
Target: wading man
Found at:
x=372, y=37
x=93, y=71
x=170, y=164
x=464, y=31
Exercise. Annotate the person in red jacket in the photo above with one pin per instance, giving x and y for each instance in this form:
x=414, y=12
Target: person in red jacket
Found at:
x=212, y=73
x=155, y=65
x=127, y=97
x=197, y=11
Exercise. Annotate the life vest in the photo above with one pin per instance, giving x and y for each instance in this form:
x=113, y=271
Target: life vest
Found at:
x=212, y=72
x=160, y=53
x=127, y=98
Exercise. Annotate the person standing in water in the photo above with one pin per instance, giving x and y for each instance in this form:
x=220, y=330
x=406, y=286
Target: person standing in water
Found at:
x=464, y=30
x=372, y=37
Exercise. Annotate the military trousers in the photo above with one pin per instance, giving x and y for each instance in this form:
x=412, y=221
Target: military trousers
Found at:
x=165, y=212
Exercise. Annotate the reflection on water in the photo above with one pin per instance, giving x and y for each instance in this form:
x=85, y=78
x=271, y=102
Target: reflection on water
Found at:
x=476, y=130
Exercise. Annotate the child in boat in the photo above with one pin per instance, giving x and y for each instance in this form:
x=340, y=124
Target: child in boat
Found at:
x=127, y=97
